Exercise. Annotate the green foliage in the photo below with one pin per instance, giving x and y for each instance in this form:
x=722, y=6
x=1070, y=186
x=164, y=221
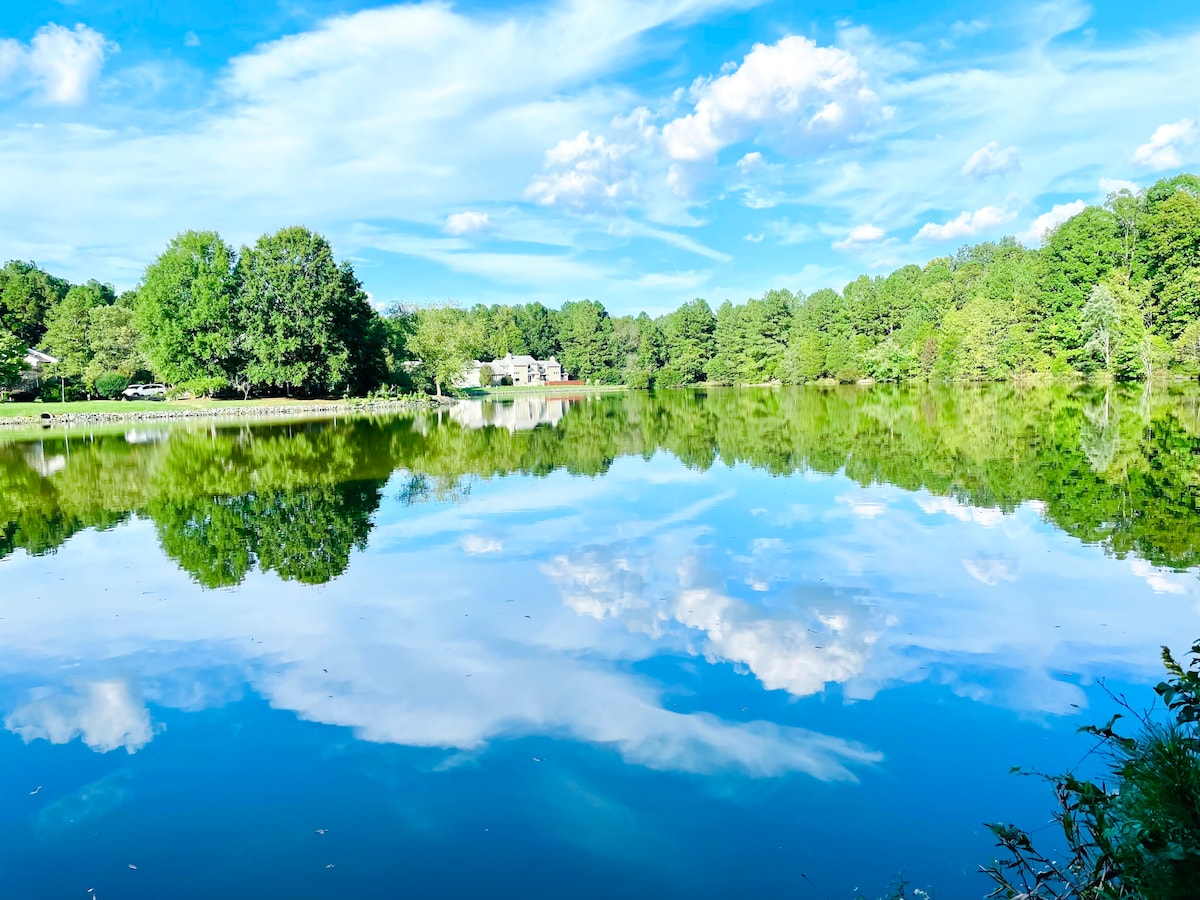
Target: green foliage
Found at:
x=585, y=333
x=443, y=341
x=1187, y=348
x=69, y=328
x=306, y=322
x=187, y=310
x=26, y=296
x=486, y=374
x=12, y=361
x=110, y=385
x=1134, y=835
x=688, y=334
x=539, y=330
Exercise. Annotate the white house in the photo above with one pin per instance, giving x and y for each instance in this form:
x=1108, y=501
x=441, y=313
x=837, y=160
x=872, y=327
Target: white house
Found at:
x=523, y=370
x=35, y=369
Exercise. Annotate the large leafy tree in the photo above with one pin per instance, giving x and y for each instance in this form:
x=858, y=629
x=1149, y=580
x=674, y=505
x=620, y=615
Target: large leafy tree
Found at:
x=115, y=341
x=305, y=320
x=26, y=295
x=69, y=327
x=442, y=340
x=1077, y=255
x=12, y=361
x=187, y=310
x=1171, y=253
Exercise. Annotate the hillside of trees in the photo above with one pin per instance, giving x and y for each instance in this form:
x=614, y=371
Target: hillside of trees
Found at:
x=1113, y=291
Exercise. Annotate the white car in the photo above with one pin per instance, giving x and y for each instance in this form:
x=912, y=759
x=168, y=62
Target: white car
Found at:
x=144, y=392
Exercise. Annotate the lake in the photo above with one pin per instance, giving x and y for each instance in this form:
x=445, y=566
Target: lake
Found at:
x=735, y=643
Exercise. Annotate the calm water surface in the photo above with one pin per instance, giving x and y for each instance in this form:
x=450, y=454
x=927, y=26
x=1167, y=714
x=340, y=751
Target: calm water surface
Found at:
x=742, y=644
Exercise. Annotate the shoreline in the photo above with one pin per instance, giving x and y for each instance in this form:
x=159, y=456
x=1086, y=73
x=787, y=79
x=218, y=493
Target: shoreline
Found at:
x=234, y=411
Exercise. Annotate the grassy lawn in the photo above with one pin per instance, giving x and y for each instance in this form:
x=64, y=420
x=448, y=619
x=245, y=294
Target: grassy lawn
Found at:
x=15, y=410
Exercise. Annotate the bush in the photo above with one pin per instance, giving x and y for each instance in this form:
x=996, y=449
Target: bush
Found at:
x=486, y=374
x=1138, y=838
x=110, y=384
x=52, y=391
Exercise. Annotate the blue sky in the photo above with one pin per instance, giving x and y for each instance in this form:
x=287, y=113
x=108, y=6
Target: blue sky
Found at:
x=638, y=152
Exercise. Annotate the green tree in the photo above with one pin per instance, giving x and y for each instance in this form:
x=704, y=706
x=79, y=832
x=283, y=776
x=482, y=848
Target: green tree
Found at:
x=26, y=296
x=1187, y=348
x=188, y=313
x=442, y=342
x=1077, y=255
x=306, y=321
x=1099, y=321
x=1171, y=254
x=69, y=328
x=585, y=333
x=726, y=363
x=689, y=342
x=12, y=361
x=642, y=368
x=766, y=324
x=539, y=330
x=115, y=341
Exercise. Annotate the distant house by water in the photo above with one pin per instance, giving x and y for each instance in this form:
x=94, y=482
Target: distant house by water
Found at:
x=35, y=370
x=523, y=370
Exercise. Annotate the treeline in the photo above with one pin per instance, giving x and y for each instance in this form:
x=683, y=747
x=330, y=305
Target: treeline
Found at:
x=1114, y=290
x=279, y=316
x=1115, y=466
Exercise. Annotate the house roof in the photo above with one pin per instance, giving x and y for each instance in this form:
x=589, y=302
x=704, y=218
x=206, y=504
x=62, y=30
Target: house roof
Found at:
x=37, y=357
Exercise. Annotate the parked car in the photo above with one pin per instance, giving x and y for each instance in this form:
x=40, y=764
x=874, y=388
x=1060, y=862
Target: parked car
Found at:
x=145, y=392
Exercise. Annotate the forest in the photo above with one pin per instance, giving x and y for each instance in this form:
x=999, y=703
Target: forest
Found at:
x=1113, y=292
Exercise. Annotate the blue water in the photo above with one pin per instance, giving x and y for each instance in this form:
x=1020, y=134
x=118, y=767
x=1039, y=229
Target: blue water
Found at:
x=655, y=682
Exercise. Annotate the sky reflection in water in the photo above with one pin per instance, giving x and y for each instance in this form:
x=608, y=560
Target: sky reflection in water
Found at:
x=647, y=682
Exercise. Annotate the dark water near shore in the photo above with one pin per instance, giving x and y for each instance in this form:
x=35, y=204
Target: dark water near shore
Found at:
x=753, y=643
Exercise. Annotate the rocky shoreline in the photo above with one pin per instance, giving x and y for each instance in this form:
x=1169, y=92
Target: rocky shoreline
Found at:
x=233, y=411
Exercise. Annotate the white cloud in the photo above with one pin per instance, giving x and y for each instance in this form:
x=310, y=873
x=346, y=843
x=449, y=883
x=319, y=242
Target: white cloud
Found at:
x=990, y=159
x=103, y=714
x=754, y=238
x=586, y=174
x=751, y=162
x=1162, y=150
x=1048, y=221
x=860, y=236
x=191, y=39
x=416, y=110
x=476, y=544
x=966, y=224
x=62, y=63
x=466, y=222
x=990, y=570
x=1116, y=185
x=792, y=94
x=968, y=28
x=1161, y=581
x=931, y=504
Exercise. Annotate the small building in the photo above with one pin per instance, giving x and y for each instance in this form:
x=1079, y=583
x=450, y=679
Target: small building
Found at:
x=522, y=370
x=35, y=370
